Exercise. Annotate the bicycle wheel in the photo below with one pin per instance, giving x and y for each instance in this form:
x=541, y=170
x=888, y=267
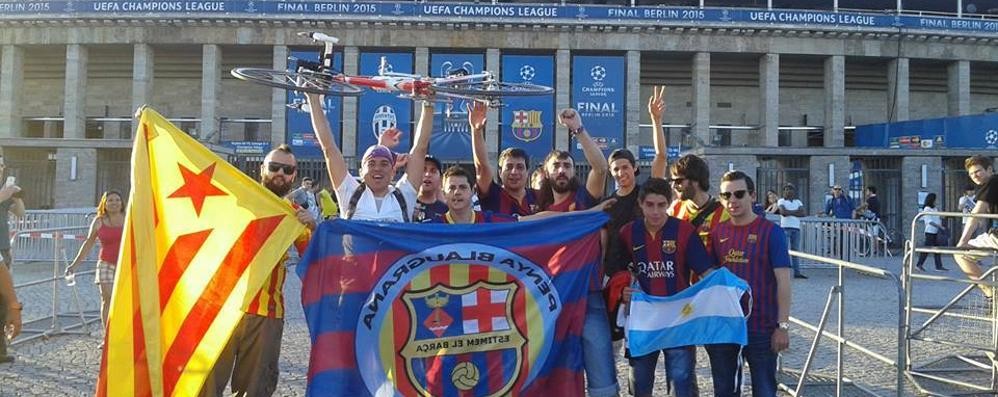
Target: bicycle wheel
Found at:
x=490, y=89
x=305, y=81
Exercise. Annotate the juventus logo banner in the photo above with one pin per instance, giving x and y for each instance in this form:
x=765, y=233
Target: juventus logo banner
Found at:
x=377, y=111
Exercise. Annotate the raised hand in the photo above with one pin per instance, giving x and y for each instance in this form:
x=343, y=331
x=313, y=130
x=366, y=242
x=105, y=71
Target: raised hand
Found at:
x=570, y=119
x=390, y=138
x=656, y=104
x=477, y=115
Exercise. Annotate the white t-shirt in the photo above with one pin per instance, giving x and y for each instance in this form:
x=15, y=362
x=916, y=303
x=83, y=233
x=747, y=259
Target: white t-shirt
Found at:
x=789, y=221
x=368, y=208
x=931, y=218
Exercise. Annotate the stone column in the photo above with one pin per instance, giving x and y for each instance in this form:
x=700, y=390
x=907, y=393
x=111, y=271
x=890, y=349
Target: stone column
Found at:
x=74, y=185
x=493, y=63
x=142, y=77
x=563, y=91
x=701, y=97
x=897, y=87
x=421, y=61
x=351, y=59
x=632, y=125
x=75, y=98
x=211, y=88
x=769, y=100
x=821, y=185
x=11, y=83
x=279, y=100
x=959, y=87
x=835, y=101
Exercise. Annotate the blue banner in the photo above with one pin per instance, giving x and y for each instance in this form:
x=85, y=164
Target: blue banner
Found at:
x=598, y=94
x=456, y=12
x=528, y=122
x=451, y=138
x=970, y=132
x=376, y=111
x=398, y=309
x=299, y=134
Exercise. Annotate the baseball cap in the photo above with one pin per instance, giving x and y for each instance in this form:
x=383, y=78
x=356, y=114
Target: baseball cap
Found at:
x=436, y=162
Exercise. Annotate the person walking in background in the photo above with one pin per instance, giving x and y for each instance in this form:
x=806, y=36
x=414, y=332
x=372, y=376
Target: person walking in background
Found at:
x=772, y=203
x=933, y=229
x=790, y=208
x=966, y=205
x=106, y=227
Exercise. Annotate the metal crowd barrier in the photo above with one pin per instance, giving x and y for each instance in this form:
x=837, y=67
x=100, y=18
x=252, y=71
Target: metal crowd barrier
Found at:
x=45, y=219
x=845, y=239
x=803, y=379
x=964, y=329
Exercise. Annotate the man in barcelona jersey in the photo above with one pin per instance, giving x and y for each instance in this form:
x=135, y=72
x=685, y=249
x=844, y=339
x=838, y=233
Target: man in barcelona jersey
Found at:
x=755, y=250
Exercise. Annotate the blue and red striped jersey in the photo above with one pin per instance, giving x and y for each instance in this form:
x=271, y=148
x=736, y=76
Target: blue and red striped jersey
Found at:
x=581, y=200
x=661, y=261
x=498, y=200
x=480, y=217
x=753, y=252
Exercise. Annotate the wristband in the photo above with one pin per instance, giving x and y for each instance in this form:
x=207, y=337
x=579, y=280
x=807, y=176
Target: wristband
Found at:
x=575, y=132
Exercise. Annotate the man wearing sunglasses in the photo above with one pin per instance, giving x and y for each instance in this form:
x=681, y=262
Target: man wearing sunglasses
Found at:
x=375, y=198
x=839, y=206
x=755, y=250
x=251, y=356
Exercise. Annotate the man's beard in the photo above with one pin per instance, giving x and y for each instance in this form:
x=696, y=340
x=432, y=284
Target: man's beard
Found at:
x=270, y=184
x=571, y=186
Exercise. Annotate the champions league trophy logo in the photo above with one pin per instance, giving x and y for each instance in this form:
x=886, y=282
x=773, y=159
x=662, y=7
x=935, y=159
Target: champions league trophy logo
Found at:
x=991, y=137
x=598, y=73
x=384, y=119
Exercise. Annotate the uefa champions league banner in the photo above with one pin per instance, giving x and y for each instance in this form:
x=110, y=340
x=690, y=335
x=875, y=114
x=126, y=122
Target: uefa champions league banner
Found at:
x=474, y=12
x=378, y=112
x=299, y=133
x=449, y=310
x=970, y=132
x=528, y=122
x=598, y=94
x=451, y=138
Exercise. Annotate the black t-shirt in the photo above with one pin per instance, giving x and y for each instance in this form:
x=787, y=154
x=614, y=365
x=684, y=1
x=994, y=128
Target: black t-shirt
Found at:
x=988, y=192
x=626, y=209
x=424, y=212
x=873, y=204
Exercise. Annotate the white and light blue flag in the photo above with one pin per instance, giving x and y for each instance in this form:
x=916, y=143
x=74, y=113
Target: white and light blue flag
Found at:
x=707, y=312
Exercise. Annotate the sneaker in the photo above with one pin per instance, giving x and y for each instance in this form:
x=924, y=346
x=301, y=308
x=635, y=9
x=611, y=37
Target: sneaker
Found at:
x=800, y=276
x=942, y=269
x=920, y=268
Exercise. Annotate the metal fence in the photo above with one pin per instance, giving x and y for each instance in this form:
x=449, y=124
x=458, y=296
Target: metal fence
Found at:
x=844, y=239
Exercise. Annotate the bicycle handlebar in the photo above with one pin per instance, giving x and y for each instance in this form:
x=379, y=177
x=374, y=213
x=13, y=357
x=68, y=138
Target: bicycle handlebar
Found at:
x=319, y=36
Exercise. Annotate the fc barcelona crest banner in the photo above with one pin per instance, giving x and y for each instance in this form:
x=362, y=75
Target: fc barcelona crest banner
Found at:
x=448, y=310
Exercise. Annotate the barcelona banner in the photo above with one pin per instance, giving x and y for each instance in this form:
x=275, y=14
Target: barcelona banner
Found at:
x=448, y=310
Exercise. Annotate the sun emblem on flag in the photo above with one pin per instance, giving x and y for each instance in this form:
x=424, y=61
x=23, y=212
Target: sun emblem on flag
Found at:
x=687, y=310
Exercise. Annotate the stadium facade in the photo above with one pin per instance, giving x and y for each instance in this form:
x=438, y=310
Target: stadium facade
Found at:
x=775, y=92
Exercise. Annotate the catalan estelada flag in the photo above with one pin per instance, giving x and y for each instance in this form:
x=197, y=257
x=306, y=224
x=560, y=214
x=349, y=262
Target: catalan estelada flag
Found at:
x=200, y=239
x=449, y=310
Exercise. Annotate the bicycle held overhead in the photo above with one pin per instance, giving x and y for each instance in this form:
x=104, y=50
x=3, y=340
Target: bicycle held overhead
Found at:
x=321, y=78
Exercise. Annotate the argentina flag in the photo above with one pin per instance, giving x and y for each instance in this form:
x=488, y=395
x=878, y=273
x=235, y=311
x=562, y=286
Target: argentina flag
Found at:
x=707, y=312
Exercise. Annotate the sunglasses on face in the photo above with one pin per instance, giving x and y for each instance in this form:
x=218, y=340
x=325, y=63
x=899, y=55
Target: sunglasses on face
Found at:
x=678, y=181
x=837, y=189
x=739, y=194
x=287, y=169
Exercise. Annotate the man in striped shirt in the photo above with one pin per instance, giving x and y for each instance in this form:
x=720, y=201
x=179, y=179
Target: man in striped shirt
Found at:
x=514, y=196
x=755, y=250
x=251, y=356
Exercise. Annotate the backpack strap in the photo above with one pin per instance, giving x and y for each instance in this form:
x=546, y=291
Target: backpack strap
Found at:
x=354, y=199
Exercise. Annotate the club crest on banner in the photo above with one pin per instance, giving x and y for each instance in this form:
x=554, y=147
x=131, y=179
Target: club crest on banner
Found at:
x=383, y=120
x=459, y=329
x=457, y=319
x=527, y=125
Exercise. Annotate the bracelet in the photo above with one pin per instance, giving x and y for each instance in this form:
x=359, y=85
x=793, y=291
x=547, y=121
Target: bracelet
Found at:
x=575, y=132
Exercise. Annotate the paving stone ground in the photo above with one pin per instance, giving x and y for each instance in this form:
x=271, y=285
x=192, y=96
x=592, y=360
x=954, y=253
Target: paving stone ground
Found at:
x=67, y=365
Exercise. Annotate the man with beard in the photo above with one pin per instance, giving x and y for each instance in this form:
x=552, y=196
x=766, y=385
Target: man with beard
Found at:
x=690, y=177
x=561, y=191
x=514, y=196
x=428, y=203
x=375, y=198
x=251, y=356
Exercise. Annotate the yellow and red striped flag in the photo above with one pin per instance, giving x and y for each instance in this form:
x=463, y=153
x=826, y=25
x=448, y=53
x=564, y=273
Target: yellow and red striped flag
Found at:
x=200, y=240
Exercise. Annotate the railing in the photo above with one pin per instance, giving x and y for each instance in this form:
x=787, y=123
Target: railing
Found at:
x=845, y=239
x=971, y=325
x=837, y=292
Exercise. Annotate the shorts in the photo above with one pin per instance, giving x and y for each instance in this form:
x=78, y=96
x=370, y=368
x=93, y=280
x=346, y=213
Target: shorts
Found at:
x=105, y=272
x=986, y=241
